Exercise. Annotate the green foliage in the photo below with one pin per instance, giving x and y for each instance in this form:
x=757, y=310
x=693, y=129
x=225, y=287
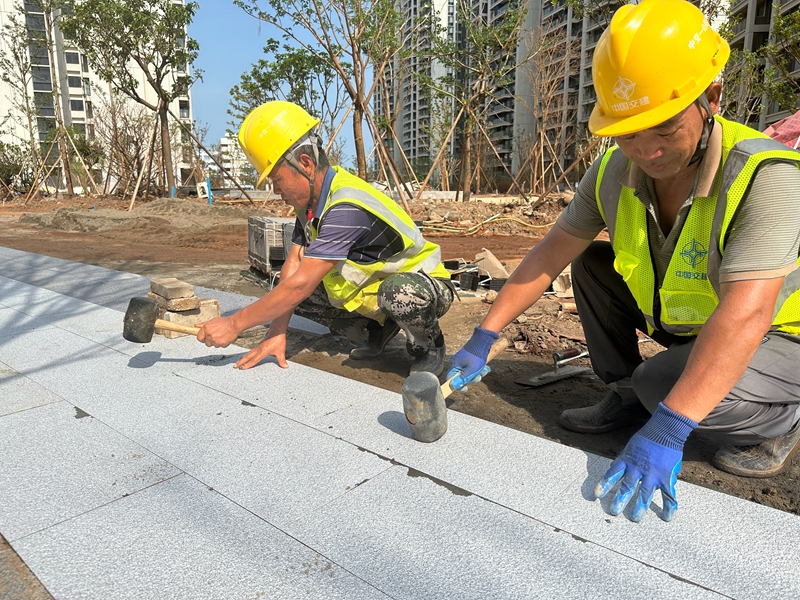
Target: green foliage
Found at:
x=350, y=38
x=783, y=57
x=149, y=33
x=15, y=167
x=292, y=74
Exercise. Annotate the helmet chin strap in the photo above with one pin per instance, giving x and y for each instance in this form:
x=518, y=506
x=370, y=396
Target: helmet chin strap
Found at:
x=708, y=127
x=313, y=141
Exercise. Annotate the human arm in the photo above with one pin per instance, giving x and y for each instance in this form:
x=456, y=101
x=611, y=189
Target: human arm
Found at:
x=274, y=344
x=277, y=304
x=525, y=286
x=719, y=357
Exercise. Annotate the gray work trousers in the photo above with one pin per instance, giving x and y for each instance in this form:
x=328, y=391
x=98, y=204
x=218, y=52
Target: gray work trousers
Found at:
x=761, y=406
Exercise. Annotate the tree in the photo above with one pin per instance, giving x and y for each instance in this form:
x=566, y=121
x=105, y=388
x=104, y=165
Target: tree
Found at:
x=553, y=72
x=123, y=127
x=782, y=54
x=150, y=34
x=346, y=36
x=481, y=67
x=15, y=170
x=16, y=72
x=291, y=74
x=744, y=86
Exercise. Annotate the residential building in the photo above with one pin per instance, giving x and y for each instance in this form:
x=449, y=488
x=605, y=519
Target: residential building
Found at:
x=234, y=160
x=419, y=118
x=552, y=97
x=755, y=20
x=77, y=84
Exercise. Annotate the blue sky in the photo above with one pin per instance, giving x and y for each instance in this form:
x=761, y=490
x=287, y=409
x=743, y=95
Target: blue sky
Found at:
x=230, y=42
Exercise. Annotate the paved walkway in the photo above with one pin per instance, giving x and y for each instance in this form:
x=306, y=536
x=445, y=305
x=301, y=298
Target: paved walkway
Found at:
x=159, y=471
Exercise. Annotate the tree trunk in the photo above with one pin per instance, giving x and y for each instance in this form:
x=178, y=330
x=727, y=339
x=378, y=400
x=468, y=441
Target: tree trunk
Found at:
x=466, y=168
x=62, y=145
x=166, y=145
x=358, y=139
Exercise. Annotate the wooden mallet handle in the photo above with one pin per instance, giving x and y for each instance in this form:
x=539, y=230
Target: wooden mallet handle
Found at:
x=170, y=326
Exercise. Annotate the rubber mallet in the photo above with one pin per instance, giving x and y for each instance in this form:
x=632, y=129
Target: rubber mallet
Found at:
x=141, y=320
x=424, y=400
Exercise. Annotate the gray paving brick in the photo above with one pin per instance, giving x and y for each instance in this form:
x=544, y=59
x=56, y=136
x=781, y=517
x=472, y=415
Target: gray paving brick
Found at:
x=414, y=537
x=177, y=540
x=58, y=462
x=18, y=393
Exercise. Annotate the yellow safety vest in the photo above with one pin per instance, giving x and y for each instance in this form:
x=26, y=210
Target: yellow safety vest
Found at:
x=353, y=286
x=690, y=290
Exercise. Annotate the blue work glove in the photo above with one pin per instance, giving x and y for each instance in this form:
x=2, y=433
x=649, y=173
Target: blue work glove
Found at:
x=652, y=459
x=468, y=365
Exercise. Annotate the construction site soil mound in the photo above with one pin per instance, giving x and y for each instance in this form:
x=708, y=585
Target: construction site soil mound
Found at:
x=207, y=246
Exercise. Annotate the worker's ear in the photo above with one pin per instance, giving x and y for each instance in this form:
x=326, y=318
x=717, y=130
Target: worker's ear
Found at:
x=713, y=94
x=307, y=164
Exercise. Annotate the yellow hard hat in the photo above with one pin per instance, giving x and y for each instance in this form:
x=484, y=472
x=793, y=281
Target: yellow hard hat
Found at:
x=654, y=60
x=270, y=130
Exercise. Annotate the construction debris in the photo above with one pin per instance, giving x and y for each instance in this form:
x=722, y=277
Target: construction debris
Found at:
x=177, y=303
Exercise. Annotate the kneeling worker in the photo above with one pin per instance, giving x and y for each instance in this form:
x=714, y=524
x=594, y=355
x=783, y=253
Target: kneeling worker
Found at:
x=703, y=218
x=357, y=259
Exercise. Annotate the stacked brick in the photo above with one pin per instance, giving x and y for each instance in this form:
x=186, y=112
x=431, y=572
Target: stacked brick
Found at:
x=178, y=304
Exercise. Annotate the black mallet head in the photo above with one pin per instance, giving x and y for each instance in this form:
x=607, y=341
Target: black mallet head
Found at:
x=139, y=323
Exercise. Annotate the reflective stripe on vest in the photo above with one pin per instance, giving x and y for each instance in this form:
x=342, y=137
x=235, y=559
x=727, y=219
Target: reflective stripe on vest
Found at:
x=353, y=286
x=690, y=290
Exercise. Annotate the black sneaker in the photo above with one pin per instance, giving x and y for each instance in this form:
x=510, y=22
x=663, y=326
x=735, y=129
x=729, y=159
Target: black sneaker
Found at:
x=379, y=336
x=608, y=415
x=762, y=460
x=431, y=360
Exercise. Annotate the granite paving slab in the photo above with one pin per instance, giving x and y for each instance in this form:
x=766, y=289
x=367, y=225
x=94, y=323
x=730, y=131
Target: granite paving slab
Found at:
x=414, y=537
x=182, y=540
x=18, y=393
x=57, y=462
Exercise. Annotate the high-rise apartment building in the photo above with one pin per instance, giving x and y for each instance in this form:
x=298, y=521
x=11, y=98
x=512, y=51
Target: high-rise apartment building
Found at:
x=553, y=95
x=77, y=85
x=755, y=20
x=418, y=115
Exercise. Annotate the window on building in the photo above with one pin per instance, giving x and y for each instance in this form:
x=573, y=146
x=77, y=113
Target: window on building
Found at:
x=44, y=104
x=89, y=131
x=38, y=52
x=72, y=58
x=184, y=109
x=74, y=82
x=35, y=22
x=30, y=7
x=89, y=110
x=80, y=127
x=84, y=64
x=41, y=79
x=44, y=126
x=76, y=105
x=87, y=87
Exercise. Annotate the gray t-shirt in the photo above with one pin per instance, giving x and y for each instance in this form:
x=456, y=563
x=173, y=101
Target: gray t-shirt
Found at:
x=764, y=238
x=348, y=232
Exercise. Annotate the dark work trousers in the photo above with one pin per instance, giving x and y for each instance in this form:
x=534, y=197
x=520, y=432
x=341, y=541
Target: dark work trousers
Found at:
x=414, y=301
x=762, y=405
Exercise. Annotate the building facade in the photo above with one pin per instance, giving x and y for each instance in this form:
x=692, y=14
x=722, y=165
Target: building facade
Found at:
x=62, y=86
x=754, y=23
x=553, y=95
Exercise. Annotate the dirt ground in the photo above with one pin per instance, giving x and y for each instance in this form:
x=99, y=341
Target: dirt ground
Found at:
x=207, y=246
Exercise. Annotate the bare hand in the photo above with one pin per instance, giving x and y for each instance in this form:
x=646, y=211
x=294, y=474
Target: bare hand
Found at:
x=271, y=346
x=218, y=332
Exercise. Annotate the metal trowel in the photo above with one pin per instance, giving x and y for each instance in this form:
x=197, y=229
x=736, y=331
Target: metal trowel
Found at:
x=560, y=358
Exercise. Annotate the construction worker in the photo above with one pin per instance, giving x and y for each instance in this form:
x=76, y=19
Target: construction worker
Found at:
x=703, y=220
x=357, y=261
